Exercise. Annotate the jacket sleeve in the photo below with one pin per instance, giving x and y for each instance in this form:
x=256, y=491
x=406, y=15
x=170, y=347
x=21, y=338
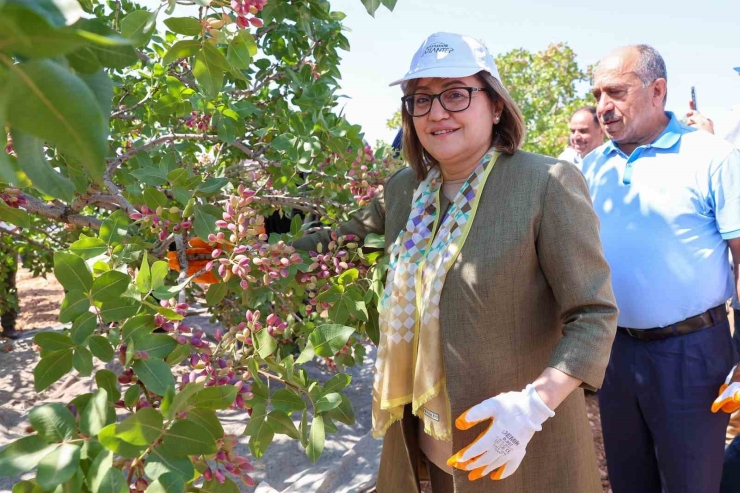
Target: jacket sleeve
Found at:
x=572, y=259
x=369, y=219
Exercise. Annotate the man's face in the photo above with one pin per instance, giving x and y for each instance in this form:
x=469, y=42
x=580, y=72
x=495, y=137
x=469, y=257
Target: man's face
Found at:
x=585, y=134
x=628, y=112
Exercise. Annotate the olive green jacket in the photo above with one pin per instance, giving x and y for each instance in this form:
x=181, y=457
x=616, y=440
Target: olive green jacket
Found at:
x=530, y=289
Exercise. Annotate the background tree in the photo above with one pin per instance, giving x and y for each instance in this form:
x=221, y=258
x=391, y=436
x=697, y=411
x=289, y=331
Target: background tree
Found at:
x=125, y=143
x=545, y=85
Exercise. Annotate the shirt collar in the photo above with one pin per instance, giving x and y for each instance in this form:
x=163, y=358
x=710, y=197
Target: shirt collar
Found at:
x=670, y=136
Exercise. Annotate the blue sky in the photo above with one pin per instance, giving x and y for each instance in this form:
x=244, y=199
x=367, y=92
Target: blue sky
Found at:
x=699, y=41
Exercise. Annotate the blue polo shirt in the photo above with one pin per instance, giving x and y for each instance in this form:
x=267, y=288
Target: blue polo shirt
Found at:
x=666, y=212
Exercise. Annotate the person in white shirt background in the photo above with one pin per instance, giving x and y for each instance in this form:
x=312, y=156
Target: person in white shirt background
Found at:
x=585, y=135
x=729, y=129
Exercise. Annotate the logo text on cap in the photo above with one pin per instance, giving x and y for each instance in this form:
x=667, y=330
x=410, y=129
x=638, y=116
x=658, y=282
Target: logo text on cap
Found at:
x=438, y=48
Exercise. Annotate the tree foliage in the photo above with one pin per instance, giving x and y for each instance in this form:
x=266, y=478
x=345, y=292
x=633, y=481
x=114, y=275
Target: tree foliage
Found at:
x=148, y=169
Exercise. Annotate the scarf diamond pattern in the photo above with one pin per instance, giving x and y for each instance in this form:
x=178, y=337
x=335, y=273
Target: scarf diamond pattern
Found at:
x=409, y=367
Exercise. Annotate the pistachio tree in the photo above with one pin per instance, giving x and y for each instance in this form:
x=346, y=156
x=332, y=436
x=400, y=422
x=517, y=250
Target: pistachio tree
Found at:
x=157, y=156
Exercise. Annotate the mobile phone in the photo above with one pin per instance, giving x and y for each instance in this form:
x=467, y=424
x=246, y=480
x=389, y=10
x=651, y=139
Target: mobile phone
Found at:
x=693, y=98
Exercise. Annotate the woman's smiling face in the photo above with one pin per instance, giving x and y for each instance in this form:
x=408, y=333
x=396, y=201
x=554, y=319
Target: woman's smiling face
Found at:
x=458, y=139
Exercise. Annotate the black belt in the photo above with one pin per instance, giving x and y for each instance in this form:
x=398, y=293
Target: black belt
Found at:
x=709, y=318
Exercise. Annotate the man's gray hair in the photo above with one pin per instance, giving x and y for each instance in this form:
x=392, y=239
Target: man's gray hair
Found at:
x=650, y=66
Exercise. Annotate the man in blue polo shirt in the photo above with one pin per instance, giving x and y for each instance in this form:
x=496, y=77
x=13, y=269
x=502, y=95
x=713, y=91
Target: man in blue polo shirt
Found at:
x=668, y=197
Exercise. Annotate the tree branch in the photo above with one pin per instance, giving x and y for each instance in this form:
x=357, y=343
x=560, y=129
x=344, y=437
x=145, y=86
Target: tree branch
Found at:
x=61, y=214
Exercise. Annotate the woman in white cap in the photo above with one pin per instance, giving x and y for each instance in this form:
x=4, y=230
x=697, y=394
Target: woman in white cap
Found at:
x=498, y=303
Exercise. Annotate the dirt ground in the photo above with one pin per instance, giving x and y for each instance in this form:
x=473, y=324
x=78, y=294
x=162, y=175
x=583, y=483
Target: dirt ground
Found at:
x=40, y=300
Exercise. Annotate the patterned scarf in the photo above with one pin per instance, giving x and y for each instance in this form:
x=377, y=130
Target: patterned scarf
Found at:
x=409, y=366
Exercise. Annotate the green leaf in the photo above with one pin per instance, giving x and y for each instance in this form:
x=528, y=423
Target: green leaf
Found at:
x=216, y=293
x=344, y=412
x=167, y=483
x=82, y=361
x=160, y=269
x=207, y=419
x=51, y=103
x=72, y=272
x=23, y=455
x=204, y=223
x=208, y=73
x=53, y=341
x=155, y=374
x=101, y=348
x=153, y=198
x=337, y=382
x=103, y=477
x=287, y=401
x=160, y=462
x=117, y=52
x=213, y=486
x=241, y=50
x=75, y=304
x=88, y=247
x=131, y=397
x=106, y=379
x=316, y=439
x=348, y=277
x=138, y=26
x=14, y=216
x=95, y=414
x=186, y=438
x=188, y=26
x=328, y=339
x=141, y=428
x=144, y=277
x=328, y=402
x=177, y=356
x=212, y=185
x=220, y=397
x=306, y=355
x=182, y=398
x=83, y=327
x=110, y=286
x=371, y=6
x=150, y=175
x=113, y=229
x=53, y=422
x=265, y=344
x=108, y=439
x=51, y=368
x=119, y=309
x=283, y=425
x=261, y=435
x=58, y=466
x=182, y=49
x=156, y=345
x=27, y=33
x=102, y=87
x=31, y=156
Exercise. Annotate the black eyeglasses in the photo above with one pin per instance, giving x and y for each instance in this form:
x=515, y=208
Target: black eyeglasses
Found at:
x=453, y=100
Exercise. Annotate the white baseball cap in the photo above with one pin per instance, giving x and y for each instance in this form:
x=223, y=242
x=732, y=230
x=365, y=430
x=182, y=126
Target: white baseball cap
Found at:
x=450, y=55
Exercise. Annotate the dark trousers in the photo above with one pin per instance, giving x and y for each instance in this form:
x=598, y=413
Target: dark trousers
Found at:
x=8, y=290
x=659, y=432
x=731, y=470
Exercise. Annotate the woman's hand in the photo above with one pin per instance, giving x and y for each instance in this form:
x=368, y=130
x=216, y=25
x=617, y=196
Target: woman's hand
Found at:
x=515, y=417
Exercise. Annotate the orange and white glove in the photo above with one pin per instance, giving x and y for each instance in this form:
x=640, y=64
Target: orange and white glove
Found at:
x=729, y=395
x=515, y=417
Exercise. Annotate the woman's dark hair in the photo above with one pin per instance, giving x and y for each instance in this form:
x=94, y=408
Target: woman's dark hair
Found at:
x=508, y=134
